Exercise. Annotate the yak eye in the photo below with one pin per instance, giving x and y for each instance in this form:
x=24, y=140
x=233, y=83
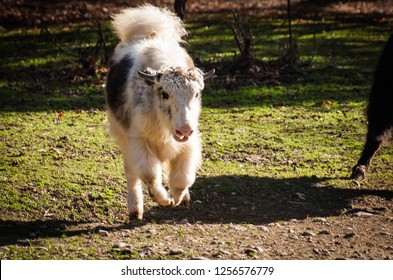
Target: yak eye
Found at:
x=197, y=95
x=165, y=95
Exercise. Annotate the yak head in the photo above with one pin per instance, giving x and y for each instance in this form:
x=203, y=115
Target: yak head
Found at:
x=179, y=93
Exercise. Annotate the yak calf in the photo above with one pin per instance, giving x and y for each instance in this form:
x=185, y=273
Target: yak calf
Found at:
x=153, y=96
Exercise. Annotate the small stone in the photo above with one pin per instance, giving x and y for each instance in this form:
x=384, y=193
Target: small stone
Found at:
x=122, y=248
x=250, y=252
x=167, y=222
x=325, y=252
x=294, y=237
x=385, y=233
x=152, y=231
x=220, y=253
x=363, y=214
x=259, y=249
x=124, y=251
x=199, y=258
x=308, y=233
x=223, y=252
x=316, y=251
x=120, y=245
x=103, y=232
x=238, y=228
x=274, y=224
x=300, y=196
x=175, y=252
x=184, y=222
x=324, y=232
x=148, y=249
x=43, y=248
x=350, y=235
x=319, y=219
x=264, y=228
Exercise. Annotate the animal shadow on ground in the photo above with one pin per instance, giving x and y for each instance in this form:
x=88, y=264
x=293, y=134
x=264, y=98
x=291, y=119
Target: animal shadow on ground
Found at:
x=263, y=200
x=218, y=200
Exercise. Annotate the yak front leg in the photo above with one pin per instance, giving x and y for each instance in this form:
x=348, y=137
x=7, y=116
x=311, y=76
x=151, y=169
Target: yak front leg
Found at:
x=134, y=194
x=148, y=169
x=181, y=177
x=152, y=179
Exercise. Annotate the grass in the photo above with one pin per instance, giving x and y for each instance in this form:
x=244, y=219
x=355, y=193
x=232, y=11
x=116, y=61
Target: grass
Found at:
x=59, y=165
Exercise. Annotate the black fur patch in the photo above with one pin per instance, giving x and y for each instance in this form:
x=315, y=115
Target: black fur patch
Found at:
x=115, y=86
x=379, y=111
x=381, y=96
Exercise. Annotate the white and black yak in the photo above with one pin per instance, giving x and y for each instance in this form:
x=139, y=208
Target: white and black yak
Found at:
x=153, y=97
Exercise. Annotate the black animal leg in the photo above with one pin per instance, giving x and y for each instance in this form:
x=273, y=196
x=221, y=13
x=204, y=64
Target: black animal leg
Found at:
x=373, y=143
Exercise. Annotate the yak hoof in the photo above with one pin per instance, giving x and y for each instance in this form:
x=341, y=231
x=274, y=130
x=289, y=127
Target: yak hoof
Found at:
x=185, y=203
x=135, y=215
x=165, y=201
x=359, y=172
x=182, y=200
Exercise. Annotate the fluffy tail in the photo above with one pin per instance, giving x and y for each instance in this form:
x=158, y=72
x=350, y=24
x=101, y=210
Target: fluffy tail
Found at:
x=147, y=21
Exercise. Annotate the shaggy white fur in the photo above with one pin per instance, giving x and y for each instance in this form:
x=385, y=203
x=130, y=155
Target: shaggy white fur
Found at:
x=153, y=95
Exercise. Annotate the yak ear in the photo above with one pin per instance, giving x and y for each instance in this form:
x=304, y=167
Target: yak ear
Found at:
x=149, y=75
x=209, y=74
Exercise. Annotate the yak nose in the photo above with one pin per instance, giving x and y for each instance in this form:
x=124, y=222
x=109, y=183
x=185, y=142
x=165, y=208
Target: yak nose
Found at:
x=185, y=130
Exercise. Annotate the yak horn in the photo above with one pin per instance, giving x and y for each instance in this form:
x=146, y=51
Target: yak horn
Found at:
x=209, y=74
x=147, y=76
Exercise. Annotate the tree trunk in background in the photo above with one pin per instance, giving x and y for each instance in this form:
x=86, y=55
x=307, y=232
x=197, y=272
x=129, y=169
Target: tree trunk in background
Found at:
x=289, y=23
x=180, y=8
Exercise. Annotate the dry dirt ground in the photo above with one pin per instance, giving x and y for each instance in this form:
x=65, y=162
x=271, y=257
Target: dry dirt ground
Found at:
x=317, y=222
x=303, y=221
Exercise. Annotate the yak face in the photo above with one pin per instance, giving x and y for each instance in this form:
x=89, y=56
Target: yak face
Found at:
x=179, y=93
